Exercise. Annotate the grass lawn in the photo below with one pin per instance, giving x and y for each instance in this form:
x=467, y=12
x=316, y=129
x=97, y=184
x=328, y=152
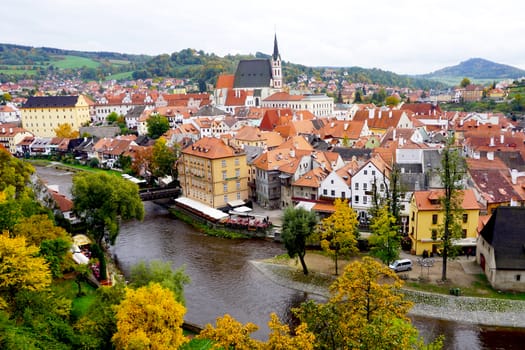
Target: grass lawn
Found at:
x=68, y=289
x=71, y=62
x=18, y=71
x=120, y=76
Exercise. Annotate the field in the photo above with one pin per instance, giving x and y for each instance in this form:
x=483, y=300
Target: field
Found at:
x=120, y=76
x=454, y=81
x=72, y=62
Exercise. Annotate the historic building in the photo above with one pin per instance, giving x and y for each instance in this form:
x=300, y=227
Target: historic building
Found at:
x=213, y=173
x=41, y=115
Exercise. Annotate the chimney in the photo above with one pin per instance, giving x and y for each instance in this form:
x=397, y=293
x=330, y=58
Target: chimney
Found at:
x=491, y=144
x=514, y=176
x=292, y=152
x=11, y=131
x=490, y=155
x=502, y=139
x=461, y=122
x=390, y=114
x=394, y=135
x=371, y=113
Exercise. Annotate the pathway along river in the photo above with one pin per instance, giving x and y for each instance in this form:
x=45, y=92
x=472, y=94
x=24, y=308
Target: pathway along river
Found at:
x=224, y=281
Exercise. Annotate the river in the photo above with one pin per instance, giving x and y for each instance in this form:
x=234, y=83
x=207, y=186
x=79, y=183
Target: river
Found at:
x=224, y=281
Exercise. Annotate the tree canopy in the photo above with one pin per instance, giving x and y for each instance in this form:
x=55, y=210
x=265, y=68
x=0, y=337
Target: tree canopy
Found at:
x=385, y=241
x=102, y=200
x=149, y=318
x=157, y=125
x=338, y=232
x=298, y=226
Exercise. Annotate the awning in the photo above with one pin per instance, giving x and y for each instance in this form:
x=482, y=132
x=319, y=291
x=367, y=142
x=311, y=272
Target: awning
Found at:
x=242, y=209
x=81, y=240
x=202, y=208
x=236, y=203
x=305, y=205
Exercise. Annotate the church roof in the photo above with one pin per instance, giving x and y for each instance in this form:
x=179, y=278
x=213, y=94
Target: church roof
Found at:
x=253, y=74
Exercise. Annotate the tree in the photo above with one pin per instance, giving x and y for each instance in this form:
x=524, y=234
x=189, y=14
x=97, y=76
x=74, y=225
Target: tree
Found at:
x=453, y=168
x=149, y=317
x=20, y=267
x=102, y=200
x=157, y=125
x=55, y=251
x=385, y=237
x=338, y=232
x=38, y=228
x=112, y=118
x=298, y=226
x=464, y=82
x=365, y=310
x=162, y=273
x=163, y=159
x=142, y=163
x=65, y=130
x=358, y=97
x=392, y=101
x=231, y=334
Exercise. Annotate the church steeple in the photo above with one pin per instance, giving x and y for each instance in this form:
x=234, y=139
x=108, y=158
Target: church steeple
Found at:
x=275, y=55
x=277, y=75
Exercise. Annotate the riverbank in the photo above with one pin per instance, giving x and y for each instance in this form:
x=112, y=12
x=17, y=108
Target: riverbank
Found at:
x=473, y=310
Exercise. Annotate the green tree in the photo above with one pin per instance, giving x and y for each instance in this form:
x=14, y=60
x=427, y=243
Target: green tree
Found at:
x=102, y=200
x=55, y=251
x=452, y=172
x=163, y=159
x=149, y=318
x=338, y=232
x=162, y=273
x=392, y=101
x=385, y=237
x=464, y=82
x=298, y=226
x=358, y=98
x=157, y=125
x=112, y=118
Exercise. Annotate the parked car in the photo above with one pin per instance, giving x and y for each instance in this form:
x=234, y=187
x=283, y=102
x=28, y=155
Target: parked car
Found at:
x=401, y=265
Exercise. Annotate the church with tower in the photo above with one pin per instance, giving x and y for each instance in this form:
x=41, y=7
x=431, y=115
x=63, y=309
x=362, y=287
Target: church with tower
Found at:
x=253, y=81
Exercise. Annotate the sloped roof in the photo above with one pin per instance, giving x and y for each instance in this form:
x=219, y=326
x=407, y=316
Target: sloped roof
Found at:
x=50, y=101
x=313, y=178
x=423, y=199
x=253, y=74
x=225, y=81
x=505, y=232
x=211, y=148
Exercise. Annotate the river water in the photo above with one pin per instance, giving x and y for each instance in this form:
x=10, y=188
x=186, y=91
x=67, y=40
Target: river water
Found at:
x=224, y=281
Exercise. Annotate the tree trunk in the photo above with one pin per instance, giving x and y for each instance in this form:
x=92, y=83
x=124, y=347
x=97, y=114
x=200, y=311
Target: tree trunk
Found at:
x=303, y=263
x=336, y=269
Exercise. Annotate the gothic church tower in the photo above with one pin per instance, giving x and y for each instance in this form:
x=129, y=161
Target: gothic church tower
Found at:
x=277, y=75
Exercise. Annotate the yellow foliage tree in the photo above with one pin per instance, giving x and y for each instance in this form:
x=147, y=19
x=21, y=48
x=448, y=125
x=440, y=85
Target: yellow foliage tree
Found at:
x=338, y=232
x=149, y=318
x=20, y=267
x=38, y=228
x=65, y=130
x=231, y=334
x=370, y=305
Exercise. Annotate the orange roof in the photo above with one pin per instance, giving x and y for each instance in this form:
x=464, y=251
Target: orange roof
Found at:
x=211, y=148
x=423, y=199
x=324, y=207
x=225, y=81
x=313, y=178
x=284, y=96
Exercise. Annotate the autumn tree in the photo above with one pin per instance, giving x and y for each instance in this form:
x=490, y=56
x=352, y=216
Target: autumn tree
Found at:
x=38, y=228
x=20, y=267
x=103, y=200
x=392, y=101
x=157, y=125
x=385, y=240
x=65, y=130
x=163, y=159
x=452, y=171
x=160, y=272
x=366, y=310
x=149, y=318
x=142, y=162
x=231, y=334
x=338, y=232
x=298, y=226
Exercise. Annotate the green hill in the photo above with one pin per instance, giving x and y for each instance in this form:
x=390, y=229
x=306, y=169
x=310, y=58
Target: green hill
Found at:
x=476, y=69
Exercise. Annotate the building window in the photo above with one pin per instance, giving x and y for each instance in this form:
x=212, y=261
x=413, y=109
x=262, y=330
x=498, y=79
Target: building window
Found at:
x=382, y=187
x=238, y=184
x=225, y=187
x=364, y=199
x=325, y=192
x=434, y=219
x=237, y=173
x=343, y=195
x=365, y=186
x=373, y=173
x=236, y=161
x=465, y=218
x=518, y=278
x=464, y=233
x=356, y=199
x=224, y=174
x=365, y=172
x=413, y=216
x=332, y=193
x=223, y=163
x=225, y=198
x=434, y=234
x=332, y=182
x=356, y=185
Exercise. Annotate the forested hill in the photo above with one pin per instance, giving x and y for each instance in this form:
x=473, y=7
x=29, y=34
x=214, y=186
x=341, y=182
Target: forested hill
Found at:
x=21, y=62
x=478, y=68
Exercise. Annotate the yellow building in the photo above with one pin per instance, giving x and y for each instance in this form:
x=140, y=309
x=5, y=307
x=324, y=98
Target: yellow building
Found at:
x=41, y=115
x=426, y=216
x=213, y=173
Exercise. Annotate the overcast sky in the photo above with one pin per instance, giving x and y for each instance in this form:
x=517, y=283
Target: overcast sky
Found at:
x=404, y=36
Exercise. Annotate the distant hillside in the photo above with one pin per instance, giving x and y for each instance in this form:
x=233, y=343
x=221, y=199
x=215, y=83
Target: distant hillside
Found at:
x=21, y=62
x=477, y=68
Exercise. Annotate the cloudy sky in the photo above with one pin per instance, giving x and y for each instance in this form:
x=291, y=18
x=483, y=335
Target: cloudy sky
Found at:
x=404, y=36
